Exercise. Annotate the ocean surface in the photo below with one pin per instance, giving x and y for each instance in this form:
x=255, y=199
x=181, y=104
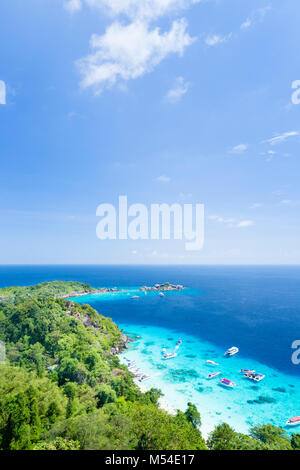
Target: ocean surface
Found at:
x=256, y=308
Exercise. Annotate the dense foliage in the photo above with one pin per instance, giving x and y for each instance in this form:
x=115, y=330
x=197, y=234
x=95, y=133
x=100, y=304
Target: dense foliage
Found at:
x=55, y=288
x=61, y=387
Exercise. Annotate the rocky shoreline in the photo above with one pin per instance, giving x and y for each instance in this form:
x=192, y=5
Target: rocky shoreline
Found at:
x=101, y=290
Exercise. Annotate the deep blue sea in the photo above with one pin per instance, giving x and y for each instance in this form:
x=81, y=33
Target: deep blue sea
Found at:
x=256, y=308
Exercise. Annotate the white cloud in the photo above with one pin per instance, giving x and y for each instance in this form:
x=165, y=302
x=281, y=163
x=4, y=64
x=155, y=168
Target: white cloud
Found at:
x=246, y=24
x=289, y=202
x=128, y=52
x=163, y=179
x=245, y=223
x=231, y=222
x=278, y=139
x=72, y=5
x=239, y=148
x=215, y=39
x=2, y=92
x=141, y=9
x=180, y=88
x=256, y=16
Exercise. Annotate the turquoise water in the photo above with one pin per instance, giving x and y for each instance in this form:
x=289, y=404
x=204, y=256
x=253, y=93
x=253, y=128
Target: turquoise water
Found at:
x=256, y=308
x=184, y=378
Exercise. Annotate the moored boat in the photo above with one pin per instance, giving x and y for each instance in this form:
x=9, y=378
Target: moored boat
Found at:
x=169, y=355
x=144, y=377
x=211, y=363
x=231, y=351
x=226, y=383
x=247, y=371
x=255, y=376
x=213, y=375
x=293, y=421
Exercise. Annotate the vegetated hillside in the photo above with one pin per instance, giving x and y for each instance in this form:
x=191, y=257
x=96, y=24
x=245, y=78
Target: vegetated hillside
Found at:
x=62, y=388
x=55, y=288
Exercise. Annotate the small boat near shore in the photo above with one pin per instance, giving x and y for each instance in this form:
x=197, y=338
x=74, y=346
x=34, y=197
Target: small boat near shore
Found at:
x=293, y=421
x=247, y=371
x=231, y=351
x=135, y=297
x=226, y=383
x=255, y=376
x=213, y=375
x=161, y=294
x=169, y=355
x=144, y=377
x=211, y=363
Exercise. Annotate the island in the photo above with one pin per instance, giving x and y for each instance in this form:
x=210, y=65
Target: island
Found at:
x=167, y=286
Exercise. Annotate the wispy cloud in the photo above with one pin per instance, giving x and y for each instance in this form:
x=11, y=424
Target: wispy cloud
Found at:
x=241, y=148
x=215, y=39
x=278, y=139
x=256, y=205
x=256, y=16
x=137, y=9
x=72, y=5
x=245, y=223
x=231, y=222
x=128, y=52
x=2, y=92
x=163, y=179
x=290, y=203
x=179, y=89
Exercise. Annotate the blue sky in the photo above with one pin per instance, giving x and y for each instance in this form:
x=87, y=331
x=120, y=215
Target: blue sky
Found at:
x=162, y=101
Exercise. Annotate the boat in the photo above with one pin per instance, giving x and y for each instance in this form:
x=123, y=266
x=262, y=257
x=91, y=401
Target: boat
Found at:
x=247, y=371
x=231, y=351
x=212, y=363
x=144, y=377
x=135, y=297
x=213, y=375
x=169, y=355
x=179, y=341
x=255, y=376
x=227, y=383
x=293, y=421
x=161, y=294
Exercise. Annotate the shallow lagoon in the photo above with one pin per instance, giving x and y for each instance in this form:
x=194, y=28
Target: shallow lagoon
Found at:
x=184, y=378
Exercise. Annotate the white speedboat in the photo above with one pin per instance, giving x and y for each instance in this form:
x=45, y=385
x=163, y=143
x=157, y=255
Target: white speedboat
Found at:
x=213, y=375
x=211, y=363
x=227, y=383
x=247, y=371
x=231, y=351
x=161, y=294
x=169, y=355
x=135, y=297
x=293, y=421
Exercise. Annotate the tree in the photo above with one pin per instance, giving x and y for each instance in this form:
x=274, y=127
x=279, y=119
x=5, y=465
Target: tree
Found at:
x=274, y=437
x=193, y=415
x=295, y=442
x=223, y=437
x=105, y=394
